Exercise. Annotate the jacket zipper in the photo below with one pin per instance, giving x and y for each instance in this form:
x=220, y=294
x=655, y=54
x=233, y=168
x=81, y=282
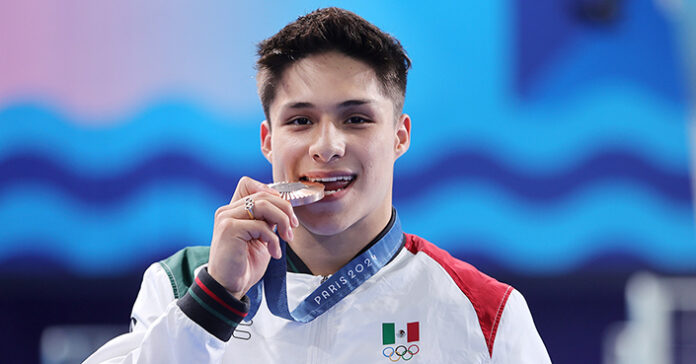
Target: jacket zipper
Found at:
x=318, y=332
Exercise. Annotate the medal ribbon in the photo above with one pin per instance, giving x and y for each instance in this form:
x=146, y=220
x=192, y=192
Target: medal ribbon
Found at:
x=333, y=290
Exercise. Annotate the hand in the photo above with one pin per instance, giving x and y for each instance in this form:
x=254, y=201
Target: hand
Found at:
x=242, y=247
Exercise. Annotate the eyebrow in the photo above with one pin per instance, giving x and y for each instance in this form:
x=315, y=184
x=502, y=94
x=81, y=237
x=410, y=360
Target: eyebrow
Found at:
x=344, y=104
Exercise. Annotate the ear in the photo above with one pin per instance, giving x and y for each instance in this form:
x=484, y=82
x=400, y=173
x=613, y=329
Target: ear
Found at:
x=402, y=138
x=266, y=140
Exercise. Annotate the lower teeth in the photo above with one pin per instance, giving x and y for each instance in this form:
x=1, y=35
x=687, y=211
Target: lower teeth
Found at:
x=326, y=193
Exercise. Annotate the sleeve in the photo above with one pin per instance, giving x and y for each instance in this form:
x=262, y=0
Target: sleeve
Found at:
x=517, y=340
x=192, y=329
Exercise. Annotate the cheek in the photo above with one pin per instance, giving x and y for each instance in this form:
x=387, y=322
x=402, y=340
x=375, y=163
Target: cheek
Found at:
x=378, y=157
x=287, y=152
x=279, y=154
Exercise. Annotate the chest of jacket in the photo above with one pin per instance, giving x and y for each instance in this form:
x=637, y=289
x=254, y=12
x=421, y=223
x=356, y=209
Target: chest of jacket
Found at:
x=409, y=311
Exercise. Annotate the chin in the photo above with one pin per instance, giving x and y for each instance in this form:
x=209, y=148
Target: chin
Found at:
x=324, y=224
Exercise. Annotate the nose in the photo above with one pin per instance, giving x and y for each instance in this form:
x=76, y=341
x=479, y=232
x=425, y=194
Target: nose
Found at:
x=328, y=144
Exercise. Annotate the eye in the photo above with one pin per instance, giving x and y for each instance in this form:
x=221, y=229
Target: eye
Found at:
x=300, y=121
x=357, y=120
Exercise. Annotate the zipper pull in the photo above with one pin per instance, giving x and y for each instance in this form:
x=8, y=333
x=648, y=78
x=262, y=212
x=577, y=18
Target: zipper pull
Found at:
x=323, y=279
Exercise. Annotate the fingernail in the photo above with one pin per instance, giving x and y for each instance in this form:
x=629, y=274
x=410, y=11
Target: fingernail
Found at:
x=291, y=235
x=295, y=221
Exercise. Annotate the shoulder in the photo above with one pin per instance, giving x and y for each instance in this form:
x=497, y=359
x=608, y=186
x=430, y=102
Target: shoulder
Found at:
x=487, y=295
x=180, y=267
x=470, y=280
x=164, y=282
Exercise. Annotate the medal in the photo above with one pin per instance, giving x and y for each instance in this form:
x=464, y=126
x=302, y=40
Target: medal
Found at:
x=299, y=193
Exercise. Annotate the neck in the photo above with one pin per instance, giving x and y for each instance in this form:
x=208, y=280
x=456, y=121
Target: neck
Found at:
x=325, y=255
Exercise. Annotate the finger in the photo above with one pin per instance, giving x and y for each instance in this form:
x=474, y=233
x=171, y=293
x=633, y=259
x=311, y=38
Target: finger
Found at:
x=273, y=249
x=247, y=186
x=283, y=204
x=264, y=210
x=249, y=230
x=269, y=211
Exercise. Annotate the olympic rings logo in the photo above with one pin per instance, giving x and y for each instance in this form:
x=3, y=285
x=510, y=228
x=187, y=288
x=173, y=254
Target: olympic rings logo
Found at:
x=401, y=352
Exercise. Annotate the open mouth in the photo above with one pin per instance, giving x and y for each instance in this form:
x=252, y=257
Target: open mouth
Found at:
x=332, y=184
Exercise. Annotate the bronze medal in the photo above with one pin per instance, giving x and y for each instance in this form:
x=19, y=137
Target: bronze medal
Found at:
x=299, y=193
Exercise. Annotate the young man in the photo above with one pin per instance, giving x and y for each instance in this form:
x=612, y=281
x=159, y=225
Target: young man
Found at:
x=350, y=285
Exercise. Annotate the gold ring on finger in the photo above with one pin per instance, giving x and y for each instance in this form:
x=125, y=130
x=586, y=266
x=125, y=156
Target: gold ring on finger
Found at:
x=249, y=207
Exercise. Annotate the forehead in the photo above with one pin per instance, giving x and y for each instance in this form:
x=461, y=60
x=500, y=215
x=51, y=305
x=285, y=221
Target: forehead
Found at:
x=326, y=79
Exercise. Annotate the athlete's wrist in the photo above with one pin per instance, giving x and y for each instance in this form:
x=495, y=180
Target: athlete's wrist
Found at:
x=236, y=289
x=238, y=295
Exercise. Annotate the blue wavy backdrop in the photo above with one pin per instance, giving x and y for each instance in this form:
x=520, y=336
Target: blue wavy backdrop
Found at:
x=541, y=144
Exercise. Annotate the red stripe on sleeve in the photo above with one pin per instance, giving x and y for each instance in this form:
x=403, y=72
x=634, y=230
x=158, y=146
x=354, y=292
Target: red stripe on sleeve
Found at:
x=216, y=298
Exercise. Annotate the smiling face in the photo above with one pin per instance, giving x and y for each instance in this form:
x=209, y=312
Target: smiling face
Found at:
x=332, y=123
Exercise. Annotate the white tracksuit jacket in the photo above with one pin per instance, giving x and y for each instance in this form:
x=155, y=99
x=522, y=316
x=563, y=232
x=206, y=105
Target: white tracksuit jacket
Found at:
x=423, y=307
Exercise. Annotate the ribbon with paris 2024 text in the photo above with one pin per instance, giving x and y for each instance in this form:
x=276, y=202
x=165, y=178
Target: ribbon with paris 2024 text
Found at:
x=335, y=288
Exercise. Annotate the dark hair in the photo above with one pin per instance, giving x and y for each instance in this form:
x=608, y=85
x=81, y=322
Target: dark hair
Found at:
x=332, y=29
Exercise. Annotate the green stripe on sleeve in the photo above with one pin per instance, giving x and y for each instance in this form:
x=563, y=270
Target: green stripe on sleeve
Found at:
x=211, y=310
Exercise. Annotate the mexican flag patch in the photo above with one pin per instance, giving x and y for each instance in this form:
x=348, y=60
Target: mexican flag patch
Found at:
x=390, y=333
x=399, y=341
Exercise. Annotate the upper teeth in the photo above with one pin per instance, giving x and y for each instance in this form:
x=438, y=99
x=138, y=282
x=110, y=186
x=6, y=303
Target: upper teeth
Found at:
x=331, y=179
